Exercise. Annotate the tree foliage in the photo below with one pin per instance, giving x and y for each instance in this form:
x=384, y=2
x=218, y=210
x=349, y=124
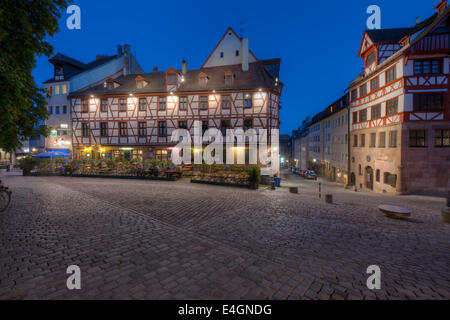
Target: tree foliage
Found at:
x=25, y=25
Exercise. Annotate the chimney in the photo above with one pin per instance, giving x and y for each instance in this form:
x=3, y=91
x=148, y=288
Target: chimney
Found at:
x=441, y=6
x=155, y=69
x=119, y=50
x=244, y=54
x=184, y=67
x=126, y=59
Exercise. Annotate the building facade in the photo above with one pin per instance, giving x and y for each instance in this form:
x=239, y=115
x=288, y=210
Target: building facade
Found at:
x=133, y=116
x=336, y=148
x=400, y=116
x=72, y=75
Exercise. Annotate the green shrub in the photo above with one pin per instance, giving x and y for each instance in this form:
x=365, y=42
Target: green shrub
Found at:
x=254, y=176
x=27, y=164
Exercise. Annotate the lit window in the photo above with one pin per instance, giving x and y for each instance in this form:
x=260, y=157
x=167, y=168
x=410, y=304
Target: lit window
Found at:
x=391, y=75
x=183, y=103
x=56, y=90
x=376, y=111
x=204, y=103
x=417, y=138
x=226, y=102
x=104, y=105
x=85, y=130
x=142, y=104
x=393, y=139
x=442, y=138
x=85, y=106
x=123, y=105
x=162, y=103
x=248, y=100
x=375, y=84
x=104, y=129
x=161, y=128
x=142, y=129
x=123, y=131
x=392, y=106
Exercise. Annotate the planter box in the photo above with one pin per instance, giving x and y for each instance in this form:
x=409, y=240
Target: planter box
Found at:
x=123, y=177
x=223, y=184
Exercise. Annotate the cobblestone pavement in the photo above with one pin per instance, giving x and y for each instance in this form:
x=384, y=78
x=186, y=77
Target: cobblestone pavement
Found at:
x=175, y=240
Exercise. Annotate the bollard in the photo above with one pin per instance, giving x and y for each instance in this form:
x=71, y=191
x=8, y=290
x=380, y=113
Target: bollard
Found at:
x=273, y=186
x=446, y=211
x=448, y=199
x=320, y=190
x=329, y=198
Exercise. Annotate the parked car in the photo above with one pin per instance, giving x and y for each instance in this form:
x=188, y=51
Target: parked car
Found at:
x=311, y=175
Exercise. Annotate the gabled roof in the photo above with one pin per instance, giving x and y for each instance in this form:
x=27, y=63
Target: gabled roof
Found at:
x=388, y=35
x=63, y=59
x=427, y=28
x=257, y=77
x=78, y=67
x=393, y=35
x=229, y=30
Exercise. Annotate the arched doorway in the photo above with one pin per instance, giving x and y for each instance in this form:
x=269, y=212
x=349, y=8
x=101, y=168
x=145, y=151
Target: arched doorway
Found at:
x=369, y=178
x=352, y=179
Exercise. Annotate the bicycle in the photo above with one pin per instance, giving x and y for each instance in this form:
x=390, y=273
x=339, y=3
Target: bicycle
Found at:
x=5, y=197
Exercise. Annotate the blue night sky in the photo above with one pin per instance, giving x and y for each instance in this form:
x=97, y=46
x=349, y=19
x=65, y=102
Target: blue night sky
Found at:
x=318, y=41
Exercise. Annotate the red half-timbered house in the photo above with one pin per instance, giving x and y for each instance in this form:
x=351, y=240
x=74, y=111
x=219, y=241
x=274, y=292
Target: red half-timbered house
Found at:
x=400, y=110
x=134, y=116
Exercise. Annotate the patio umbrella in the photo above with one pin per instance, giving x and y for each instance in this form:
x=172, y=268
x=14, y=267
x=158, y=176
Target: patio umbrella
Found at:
x=52, y=155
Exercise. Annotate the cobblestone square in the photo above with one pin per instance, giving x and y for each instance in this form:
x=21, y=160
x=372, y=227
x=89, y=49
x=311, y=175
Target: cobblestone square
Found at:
x=176, y=240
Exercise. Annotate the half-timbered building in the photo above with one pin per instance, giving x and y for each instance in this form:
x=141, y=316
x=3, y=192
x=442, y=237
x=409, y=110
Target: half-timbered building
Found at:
x=133, y=116
x=400, y=112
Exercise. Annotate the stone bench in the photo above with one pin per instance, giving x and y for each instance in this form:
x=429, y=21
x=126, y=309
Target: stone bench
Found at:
x=395, y=212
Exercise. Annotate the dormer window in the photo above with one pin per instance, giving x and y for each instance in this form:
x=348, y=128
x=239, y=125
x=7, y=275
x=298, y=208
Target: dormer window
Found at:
x=202, y=79
x=59, y=73
x=371, y=59
x=110, y=84
x=229, y=78
x=171, y=77
x=141, y=83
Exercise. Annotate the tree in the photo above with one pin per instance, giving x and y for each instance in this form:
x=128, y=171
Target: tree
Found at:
x=24, y=28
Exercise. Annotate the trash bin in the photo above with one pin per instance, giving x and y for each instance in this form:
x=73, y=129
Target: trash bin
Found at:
x=277, y=182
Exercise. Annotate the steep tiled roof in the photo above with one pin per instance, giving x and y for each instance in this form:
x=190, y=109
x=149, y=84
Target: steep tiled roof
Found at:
x=257, y=77
x=77, y=66
x=388, y=35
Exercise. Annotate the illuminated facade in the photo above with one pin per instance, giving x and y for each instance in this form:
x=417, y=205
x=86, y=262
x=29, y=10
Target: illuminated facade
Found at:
x=134, y=116
x=71, y=75
x=400, y=116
